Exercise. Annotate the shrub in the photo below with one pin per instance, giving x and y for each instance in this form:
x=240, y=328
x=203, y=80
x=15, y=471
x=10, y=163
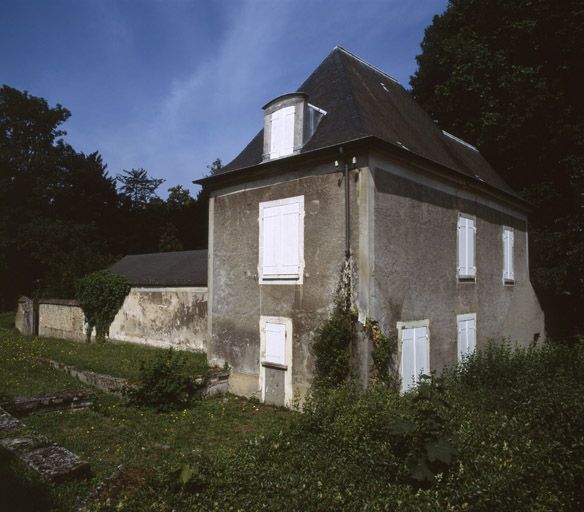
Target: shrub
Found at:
x=101, y=295
x=333, y=340
x=164, y=383
x=504, y=430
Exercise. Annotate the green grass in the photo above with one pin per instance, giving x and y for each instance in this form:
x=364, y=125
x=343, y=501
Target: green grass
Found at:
x=112, y=432
x=117, y=359
x=7, y=320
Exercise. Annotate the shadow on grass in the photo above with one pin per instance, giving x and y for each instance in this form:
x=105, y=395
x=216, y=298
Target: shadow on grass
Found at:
x=21, y=491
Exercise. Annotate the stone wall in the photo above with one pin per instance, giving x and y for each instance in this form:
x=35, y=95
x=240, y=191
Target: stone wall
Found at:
x=163, y=317
x=25, y=318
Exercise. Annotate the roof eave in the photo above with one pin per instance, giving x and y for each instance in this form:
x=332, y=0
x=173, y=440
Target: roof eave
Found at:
x=370, y=141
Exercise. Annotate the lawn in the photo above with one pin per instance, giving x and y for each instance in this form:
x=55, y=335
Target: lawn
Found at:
x=112, y=432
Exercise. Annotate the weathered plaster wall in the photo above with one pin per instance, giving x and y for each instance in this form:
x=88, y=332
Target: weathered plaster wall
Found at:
x=61, y=319
x=415, y=260
x=161, y=317
x=238, y=300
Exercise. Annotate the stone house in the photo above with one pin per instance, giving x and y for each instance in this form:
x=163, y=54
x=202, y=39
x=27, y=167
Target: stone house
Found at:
x=349, y=166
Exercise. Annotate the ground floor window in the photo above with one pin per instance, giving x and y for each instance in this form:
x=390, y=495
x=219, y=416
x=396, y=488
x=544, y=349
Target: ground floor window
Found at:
x=467, y=334
x=414, y=338
x=276, y=360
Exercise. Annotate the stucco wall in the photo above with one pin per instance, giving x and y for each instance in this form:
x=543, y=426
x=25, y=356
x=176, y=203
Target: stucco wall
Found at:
x=161, y=317
x=415, y=263
x=238, y=300
x=61, y=319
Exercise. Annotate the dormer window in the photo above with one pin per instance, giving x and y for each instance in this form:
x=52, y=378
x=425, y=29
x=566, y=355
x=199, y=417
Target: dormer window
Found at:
x=289, y=121
x=282, y=132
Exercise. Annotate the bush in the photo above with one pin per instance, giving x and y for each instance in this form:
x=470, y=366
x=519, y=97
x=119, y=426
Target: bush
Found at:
x=101, y=296
x=504, y=430
x=164, y=383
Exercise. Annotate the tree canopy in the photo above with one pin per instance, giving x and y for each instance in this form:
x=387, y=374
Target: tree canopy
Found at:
x=61, y=213
x=505, y=77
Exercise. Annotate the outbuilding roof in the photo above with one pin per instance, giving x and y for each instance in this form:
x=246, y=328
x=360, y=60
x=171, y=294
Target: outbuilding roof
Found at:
x=363, y=101
x=181, y=268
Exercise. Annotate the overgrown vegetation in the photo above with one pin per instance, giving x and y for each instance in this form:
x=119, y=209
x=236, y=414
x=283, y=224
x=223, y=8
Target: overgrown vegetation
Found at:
x=165, y=383
x=502, y=431
x=333, y=341
x=383, y=354
x=101, y=295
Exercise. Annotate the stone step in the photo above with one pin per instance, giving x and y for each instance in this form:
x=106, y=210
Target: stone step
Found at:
x=68, y=399
x=55, y=463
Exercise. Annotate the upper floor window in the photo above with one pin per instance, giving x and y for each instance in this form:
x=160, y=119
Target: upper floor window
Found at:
x=282, y=132
x=508, y=272
x=281, y=254
x=466, y=247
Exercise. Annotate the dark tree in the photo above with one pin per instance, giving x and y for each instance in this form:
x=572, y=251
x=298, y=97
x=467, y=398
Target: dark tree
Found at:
x=215, y=167
x=138, y=187
x=507, y=76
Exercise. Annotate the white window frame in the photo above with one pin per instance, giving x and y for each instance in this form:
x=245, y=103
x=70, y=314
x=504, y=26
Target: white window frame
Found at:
x=287, y=322
x=297, y=278
x=508, y=278
x=411, y=325
x=464, y=318
x=472, y=275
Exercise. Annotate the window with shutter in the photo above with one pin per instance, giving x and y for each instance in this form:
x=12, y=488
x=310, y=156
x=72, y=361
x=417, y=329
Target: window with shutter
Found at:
x=414, y=337
x=275, y=343
x=466, y=247
x=467, y=334
x=282, y=132
x=281, y=257
x=508, y=272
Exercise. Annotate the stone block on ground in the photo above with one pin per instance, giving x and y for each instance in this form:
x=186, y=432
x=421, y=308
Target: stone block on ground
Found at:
x=47, y=402
x=8, y=423
x=55, y=463
x=23, y=444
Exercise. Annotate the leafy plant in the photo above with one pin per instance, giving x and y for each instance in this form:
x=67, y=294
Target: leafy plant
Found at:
x=333, y=340
x=101, y=295
x=382, y=354
x=164, y=383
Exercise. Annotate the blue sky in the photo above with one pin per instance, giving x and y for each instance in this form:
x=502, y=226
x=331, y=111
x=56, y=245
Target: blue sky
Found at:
x=171, y=85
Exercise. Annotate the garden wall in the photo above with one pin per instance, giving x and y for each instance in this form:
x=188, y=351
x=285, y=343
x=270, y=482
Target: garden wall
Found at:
x=162, y=317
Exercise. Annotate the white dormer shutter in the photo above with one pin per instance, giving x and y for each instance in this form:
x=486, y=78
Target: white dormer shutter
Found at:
x=466, y=246
x=508, y=242
x=282, y=132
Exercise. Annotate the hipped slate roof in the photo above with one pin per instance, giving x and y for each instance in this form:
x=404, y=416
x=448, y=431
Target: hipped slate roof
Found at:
x=362, y=101
x=183, y=268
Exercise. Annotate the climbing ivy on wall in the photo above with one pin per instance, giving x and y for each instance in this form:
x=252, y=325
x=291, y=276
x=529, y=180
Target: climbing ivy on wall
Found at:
x=101, y=295
x=334, y=338
x=382, y=354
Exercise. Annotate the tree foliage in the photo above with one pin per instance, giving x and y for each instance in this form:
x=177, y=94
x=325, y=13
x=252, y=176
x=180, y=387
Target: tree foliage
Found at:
x=503, y=75
x=61, y=213
x=101, y=295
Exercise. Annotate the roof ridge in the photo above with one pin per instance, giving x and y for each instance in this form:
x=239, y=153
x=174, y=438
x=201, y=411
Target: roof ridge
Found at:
x=368, y=64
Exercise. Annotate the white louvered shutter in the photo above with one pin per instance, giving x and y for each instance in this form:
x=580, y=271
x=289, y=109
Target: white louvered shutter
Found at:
x=288, y=114
x=508, y=241
x=277, y=133
x=467, y=336
x=422, y=363
x=471, y=241
x=275, y=343
x=466, y=247
x=289, y=239
x=408, y=359
x=271, y=235
x=462, y=243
